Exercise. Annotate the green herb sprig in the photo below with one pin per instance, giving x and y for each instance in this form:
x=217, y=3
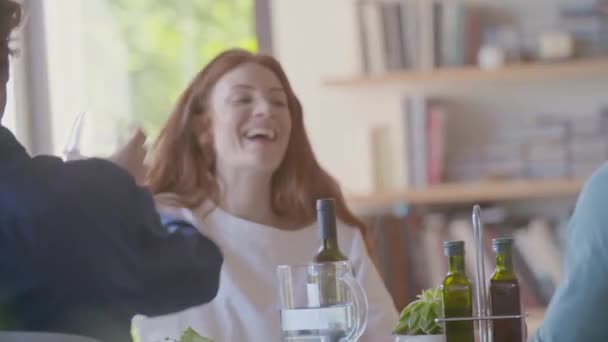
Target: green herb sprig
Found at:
x=418, y=317
x=189, y=335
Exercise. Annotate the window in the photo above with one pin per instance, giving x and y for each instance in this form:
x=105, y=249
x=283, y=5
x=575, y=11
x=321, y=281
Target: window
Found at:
x=124, y=62
x=14, y=104
x=9, y=119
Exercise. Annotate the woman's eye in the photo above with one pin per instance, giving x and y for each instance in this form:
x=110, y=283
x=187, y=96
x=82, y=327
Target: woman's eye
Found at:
x=278, y=102
x=242, y=100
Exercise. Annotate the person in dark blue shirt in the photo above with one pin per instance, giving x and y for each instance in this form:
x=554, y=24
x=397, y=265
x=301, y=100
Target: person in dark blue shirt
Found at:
x=82, y=248
x=578, y=307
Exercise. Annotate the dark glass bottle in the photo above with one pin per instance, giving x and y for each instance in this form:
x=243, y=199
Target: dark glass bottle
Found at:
x=504, y=294
x=324, y=289
x=326, y=220
x=323, y=286
x=457, y=295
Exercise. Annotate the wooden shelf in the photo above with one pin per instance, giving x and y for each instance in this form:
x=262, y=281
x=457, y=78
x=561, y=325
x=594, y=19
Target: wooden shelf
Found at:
x=514, y=72
x=474, y=192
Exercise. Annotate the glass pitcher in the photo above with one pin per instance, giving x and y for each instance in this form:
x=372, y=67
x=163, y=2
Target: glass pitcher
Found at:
x=321, y=303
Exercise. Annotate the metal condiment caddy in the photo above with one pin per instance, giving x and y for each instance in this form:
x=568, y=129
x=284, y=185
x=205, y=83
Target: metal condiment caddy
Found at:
x=482, y=315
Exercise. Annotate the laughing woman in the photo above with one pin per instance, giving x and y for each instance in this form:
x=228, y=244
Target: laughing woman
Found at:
x=234, y=160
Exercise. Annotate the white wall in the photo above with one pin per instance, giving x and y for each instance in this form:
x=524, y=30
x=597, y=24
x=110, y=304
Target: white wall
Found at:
x=312, y=44
x=315, y=39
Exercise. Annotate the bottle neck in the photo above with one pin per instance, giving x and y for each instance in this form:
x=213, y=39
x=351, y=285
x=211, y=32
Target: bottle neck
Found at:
x=456, y=264
x=330, y=244
x=327, y=229
x=504, y=261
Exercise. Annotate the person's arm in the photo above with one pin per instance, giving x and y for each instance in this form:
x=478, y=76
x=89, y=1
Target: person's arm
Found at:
x=382, y=314
x=180, y=266
x=577, y=310
x=167, y=269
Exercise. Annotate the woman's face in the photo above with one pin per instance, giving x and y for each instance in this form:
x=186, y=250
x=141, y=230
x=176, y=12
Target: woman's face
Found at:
x=250, y=119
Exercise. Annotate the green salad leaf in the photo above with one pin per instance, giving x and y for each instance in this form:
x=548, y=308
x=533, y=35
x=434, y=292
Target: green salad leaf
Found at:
x=192, y=336
x=189, y=335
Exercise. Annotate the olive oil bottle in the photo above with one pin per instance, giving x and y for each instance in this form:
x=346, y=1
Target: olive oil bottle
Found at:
x=457, y=295
x=504, y=294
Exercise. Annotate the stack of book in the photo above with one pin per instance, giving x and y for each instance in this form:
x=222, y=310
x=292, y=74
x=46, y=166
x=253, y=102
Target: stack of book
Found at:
x=417, y=34
x=587, y=22
x=549, y=147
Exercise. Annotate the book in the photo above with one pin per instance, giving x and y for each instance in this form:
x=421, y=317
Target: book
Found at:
x=372, y=37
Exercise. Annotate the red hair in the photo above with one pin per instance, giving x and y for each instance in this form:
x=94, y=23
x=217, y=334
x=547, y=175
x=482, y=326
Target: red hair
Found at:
x=183, y=161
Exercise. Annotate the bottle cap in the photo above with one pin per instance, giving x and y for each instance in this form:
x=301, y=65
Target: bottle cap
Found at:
x=502, y=244
x=324, y=204
x=452, y=248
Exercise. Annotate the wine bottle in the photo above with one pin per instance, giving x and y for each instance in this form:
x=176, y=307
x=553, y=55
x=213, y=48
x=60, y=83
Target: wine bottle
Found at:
x=457, y=295
x=328, y=234
x=323, y=287
x=504, y=294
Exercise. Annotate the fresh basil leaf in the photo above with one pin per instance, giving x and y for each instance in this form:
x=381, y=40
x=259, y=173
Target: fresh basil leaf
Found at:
x=190, y=335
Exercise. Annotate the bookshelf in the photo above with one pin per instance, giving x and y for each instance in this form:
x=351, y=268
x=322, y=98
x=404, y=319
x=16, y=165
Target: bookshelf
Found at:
x=483, y=191
x=374, y=101
x=525, y=71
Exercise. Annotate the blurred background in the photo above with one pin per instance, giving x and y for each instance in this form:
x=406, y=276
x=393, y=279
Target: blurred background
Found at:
x=420, y=108
x=123, y=62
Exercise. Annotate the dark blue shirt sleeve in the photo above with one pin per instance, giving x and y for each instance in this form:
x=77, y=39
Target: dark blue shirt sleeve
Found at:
x=165, y=269
x=83, y=233
x=178, y=267
x=82, y=249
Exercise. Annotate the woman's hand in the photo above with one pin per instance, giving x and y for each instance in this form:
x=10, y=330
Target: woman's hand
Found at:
x=131, y=156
